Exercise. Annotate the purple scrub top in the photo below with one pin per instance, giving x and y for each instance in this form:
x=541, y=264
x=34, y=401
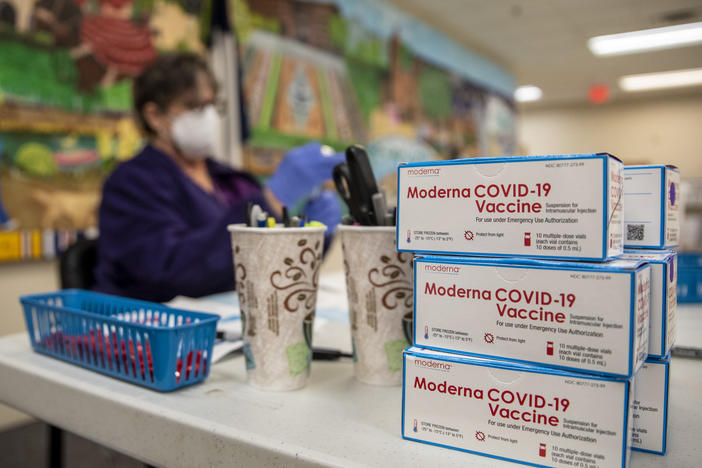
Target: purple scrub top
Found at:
x=161, y=235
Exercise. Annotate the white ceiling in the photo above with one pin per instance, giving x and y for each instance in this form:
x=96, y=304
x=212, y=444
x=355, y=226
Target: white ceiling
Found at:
x=544, y=42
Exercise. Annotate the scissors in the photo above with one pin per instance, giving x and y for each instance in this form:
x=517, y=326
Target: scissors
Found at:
x=356, y=184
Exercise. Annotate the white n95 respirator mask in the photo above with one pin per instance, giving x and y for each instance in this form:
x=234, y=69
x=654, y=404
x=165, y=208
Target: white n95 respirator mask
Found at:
x=195, y=132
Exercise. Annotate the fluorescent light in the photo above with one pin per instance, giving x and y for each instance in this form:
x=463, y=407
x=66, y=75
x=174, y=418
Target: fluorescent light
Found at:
x=527, y=93
x=671, y=79
x=647, y=39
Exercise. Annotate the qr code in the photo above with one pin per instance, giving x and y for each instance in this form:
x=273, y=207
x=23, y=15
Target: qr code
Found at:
x=634, y=232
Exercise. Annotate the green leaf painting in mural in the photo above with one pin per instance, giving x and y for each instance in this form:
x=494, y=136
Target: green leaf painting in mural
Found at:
x=367, y=81
x=406, y=58
x=435, y=92
x=337, y=31
x=36, y=159
x=117, y=96
x=363, y=46
x=245, y=21
x=52, y=80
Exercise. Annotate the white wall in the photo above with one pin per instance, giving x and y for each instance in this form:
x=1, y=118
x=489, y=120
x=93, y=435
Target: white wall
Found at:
x=662, y=130
x=17, y=279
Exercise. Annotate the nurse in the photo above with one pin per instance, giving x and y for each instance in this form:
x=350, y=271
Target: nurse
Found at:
x=164, y=213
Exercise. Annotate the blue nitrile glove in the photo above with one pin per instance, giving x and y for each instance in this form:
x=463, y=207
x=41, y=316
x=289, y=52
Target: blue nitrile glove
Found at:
x=301, y=171
x=326, y=209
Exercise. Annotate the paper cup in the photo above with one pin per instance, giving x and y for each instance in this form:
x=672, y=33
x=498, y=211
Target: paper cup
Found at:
x=379, y=287
x=277, y=273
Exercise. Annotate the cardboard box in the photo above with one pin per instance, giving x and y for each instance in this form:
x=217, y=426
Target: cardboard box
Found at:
x=531, y=415
x=689, y=277
x=664, y=300
x=650, y=430
x=651, y=207
x=587, y=317
x=558, y=207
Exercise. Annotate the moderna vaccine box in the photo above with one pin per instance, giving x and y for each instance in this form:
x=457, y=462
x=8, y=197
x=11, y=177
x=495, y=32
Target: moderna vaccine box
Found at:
x=585, y=317
x=664, y=298
x=558, y=207
x=650, y=430
x=525, y=414
x=651, y=207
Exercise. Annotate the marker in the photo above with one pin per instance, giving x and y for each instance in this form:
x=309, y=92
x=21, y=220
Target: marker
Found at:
x=379, y=208
x=303, y=219
x=390, y=217
x=271, y=222
x=253, y=218
x=328, y=354
x=286, y=216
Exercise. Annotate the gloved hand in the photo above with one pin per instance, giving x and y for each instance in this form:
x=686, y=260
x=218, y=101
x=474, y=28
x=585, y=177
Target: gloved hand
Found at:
x=301, y=171
x=326, y=209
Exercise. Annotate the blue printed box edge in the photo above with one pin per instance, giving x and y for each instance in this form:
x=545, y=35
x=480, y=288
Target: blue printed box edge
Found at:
x=661, y=245
x=662, y=261
x=503, y=364
x=665, y=361
x=537, y=264
x=507, y=159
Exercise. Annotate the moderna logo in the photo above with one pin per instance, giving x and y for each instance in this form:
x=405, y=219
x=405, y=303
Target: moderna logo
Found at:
x=442, y=268
x=422, y=171
x=438, y=365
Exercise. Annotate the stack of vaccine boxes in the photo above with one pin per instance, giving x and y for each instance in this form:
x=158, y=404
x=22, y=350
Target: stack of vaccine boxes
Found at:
x=651, y=203
x=529, y=327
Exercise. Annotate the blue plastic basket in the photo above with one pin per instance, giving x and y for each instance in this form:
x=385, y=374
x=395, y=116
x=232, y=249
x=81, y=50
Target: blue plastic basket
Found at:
x=141, y=342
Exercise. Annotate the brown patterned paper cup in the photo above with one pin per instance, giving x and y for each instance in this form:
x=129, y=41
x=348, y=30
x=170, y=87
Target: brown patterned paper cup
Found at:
x=277, y=273
x=379, y=287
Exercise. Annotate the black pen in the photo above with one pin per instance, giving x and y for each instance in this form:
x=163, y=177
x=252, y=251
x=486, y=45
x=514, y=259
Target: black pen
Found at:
x=687, y=352
x=328, y=354
x=286, y=216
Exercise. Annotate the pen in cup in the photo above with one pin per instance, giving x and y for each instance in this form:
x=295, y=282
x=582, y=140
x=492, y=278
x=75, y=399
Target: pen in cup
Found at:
x=254, y=215
x=379, y=208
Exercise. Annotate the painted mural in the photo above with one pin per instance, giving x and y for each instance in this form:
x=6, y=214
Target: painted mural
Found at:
x=65, y=102
x=339, y=71
x=350, y=71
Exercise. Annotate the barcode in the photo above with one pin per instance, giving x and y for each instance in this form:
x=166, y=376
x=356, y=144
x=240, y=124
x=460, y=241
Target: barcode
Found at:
x=635, y=232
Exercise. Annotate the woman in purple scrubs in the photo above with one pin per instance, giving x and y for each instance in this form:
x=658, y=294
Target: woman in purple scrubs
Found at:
x=164, y=213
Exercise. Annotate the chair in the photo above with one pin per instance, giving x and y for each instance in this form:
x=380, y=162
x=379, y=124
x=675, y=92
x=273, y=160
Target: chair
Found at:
x=76, y=265
x=76, y=270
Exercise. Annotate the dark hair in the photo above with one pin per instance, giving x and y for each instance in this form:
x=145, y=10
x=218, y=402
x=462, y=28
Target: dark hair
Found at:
x=167, y=77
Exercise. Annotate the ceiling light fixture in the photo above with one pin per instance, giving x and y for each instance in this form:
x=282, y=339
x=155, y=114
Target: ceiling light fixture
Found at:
x=647, y=39
x=670, y=79
x=527, y=93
